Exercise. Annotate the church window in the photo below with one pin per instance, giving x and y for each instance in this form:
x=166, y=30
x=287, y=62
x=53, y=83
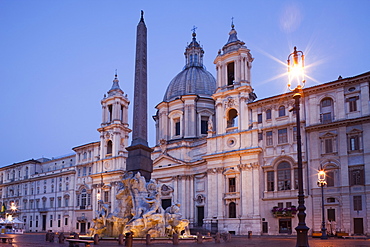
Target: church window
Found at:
x=204, y=125
x=232, y=119
x=109, y=147
x=268, y=114
x=230, y=73
x=121, y=113
x=269, y=138
x=110, y=113
x=177, y=126
x=326, y=110
x=106, y=196
x=232, y=185
x=270, y=181
x=283, y=176
x=232, y=210
x=282, y=136
x=281, y=111
x=259, y=118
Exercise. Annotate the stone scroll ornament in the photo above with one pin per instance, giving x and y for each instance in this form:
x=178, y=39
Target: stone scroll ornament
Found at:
x=139, y=212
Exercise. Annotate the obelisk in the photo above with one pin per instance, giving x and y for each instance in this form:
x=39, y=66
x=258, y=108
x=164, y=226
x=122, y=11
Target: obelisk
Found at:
x=139, y=153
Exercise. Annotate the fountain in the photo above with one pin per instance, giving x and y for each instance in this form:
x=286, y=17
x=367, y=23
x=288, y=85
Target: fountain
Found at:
x=139, y=212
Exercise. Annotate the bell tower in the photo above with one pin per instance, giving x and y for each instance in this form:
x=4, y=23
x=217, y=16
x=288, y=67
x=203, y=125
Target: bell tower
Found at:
x=234, y=90
x=114, y=127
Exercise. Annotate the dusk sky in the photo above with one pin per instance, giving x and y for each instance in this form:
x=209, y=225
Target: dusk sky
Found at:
x=58, y=57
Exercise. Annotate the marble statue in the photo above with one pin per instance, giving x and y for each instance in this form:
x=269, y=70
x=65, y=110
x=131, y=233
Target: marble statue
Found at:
x=139, y=212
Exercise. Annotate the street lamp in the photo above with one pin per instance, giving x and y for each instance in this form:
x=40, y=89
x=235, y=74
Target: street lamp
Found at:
x=321, y=183
x=296, y=75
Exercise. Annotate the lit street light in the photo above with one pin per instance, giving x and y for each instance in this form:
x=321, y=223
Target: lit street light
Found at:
x=296, y=75
x=321, y=183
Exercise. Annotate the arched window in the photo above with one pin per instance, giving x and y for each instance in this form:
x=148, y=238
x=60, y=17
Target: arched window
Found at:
x=281, y=111
x=109, y=147
x=232, y=210
x=326, y=110
x=268, y=114
x=284, y=176
x=232, y=118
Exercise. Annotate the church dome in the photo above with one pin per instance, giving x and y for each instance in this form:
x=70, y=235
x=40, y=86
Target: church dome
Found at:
x=194, y=79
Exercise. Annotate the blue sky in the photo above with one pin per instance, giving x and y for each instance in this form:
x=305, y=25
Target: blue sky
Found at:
x=58, y=58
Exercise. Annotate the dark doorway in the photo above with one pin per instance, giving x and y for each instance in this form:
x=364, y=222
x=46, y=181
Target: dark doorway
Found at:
x=200, y=215
x=83, y=228
x=358, y=226
x=265, y=228
x=44, y=223
x=285, y=226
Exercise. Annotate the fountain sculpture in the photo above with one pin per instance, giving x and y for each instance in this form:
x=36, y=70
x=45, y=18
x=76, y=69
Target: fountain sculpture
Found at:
x=139, y=212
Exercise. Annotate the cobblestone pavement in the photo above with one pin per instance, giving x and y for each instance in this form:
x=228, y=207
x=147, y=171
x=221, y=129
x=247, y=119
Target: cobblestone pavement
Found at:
x=38, y=240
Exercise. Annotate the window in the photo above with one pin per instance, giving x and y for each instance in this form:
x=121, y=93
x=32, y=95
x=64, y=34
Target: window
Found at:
x=282, y=136
x=326, y=110
x=283, y=176
x=259, y=118
x=204, y=125
x=269, y=139
x=296, y=179
x=354, y=143
x=281, y=111
x=66, y=201
x=109, y=147
x=329, y=178
x=268, y=114
x=85, y=155
x=232, y=210
x=260, y=136
x=177, y=126
x=331, y=214
x=356, y=174
x=295, y=133
x=106, y=196
x=352, y=104
x=357, y=203
x=59, y=202
x=328, y=145
x=110, y=112
x=84, y=171
x=330, y=200
x=270, y=181
x=232, y=185
x=66, y=221
x=230, y=73
x=83, y=197
x=232, y=119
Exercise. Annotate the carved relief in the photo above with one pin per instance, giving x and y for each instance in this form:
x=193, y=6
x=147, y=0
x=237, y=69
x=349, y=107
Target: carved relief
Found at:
x=166, y=190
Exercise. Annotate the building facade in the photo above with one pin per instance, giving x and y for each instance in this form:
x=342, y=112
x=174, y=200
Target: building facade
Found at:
x=228, y=158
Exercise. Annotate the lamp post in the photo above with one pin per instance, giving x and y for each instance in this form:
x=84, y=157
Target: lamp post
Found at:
x=322, y=182
x=296, y=75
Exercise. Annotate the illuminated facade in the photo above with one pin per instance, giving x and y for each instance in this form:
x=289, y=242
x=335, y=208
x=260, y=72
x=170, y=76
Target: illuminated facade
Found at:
x=229, y=159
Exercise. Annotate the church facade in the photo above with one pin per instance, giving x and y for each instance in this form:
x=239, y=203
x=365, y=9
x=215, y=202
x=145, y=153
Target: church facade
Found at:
x=228, y=158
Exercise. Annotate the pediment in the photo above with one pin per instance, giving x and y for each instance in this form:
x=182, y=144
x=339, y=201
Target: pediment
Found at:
x=165, y=160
